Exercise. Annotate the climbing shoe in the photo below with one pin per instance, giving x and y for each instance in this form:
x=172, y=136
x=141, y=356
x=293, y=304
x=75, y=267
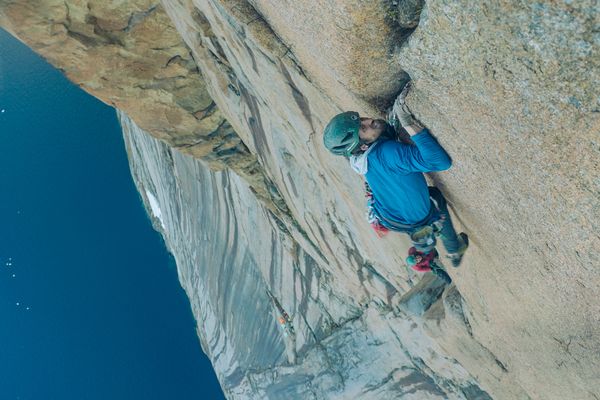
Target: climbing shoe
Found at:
x=440, y=273
x=456, y=258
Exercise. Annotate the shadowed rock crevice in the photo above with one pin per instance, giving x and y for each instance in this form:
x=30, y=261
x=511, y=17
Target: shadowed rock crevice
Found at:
x=138, y=17
x=406, y=13
x=100, y=31
x=422, y=296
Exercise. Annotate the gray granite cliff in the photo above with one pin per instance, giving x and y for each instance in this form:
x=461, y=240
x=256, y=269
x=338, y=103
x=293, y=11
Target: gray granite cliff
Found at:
x=242, y=274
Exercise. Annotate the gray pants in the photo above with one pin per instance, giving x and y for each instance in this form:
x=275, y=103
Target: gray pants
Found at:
x=438, y=223
x=447, y=232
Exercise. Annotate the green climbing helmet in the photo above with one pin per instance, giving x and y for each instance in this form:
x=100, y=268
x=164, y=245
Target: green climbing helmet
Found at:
x=341, y=133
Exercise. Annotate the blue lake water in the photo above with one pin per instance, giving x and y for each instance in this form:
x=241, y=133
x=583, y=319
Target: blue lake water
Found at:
x=90, y=304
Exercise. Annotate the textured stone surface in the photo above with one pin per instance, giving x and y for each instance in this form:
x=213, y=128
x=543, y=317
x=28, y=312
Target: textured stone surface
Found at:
x=239, y=286
x=511, y=90
x=422, y=296
x=351, y=41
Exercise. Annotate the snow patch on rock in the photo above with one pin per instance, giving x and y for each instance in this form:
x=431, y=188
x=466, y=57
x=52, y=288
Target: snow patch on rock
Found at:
x=155, y=208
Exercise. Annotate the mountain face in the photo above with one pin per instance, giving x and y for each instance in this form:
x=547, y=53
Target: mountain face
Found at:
x=294, y=295
x=242, y=274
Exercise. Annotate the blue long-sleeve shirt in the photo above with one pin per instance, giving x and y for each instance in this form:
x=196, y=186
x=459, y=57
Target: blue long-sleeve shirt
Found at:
x=395, y=175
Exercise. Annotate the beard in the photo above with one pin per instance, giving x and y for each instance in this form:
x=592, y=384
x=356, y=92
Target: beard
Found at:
x=388, y=131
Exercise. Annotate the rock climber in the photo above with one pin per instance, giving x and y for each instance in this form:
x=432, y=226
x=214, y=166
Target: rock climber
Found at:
x=398, y=197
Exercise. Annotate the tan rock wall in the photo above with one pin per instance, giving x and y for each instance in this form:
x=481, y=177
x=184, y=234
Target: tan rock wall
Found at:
x=345, y=47
x=510, y=89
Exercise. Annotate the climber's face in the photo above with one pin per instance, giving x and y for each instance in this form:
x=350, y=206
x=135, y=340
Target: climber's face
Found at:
x=370, y=129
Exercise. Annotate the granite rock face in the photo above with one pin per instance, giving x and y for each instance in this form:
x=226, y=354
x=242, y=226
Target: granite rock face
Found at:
x=510, y=90
x=243, y=275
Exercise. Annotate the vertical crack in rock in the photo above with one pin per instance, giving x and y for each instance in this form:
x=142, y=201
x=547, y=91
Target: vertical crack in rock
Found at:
x=138, y=17
x=300, y=99
x=406, y=13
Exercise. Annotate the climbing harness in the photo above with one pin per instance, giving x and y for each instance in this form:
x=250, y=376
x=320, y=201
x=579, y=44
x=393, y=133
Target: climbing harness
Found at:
x=422, y=256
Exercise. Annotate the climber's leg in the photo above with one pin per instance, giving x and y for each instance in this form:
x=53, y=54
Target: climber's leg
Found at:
x=455, y=244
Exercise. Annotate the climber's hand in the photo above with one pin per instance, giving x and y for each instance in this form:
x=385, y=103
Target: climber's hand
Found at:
x=405, y=117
